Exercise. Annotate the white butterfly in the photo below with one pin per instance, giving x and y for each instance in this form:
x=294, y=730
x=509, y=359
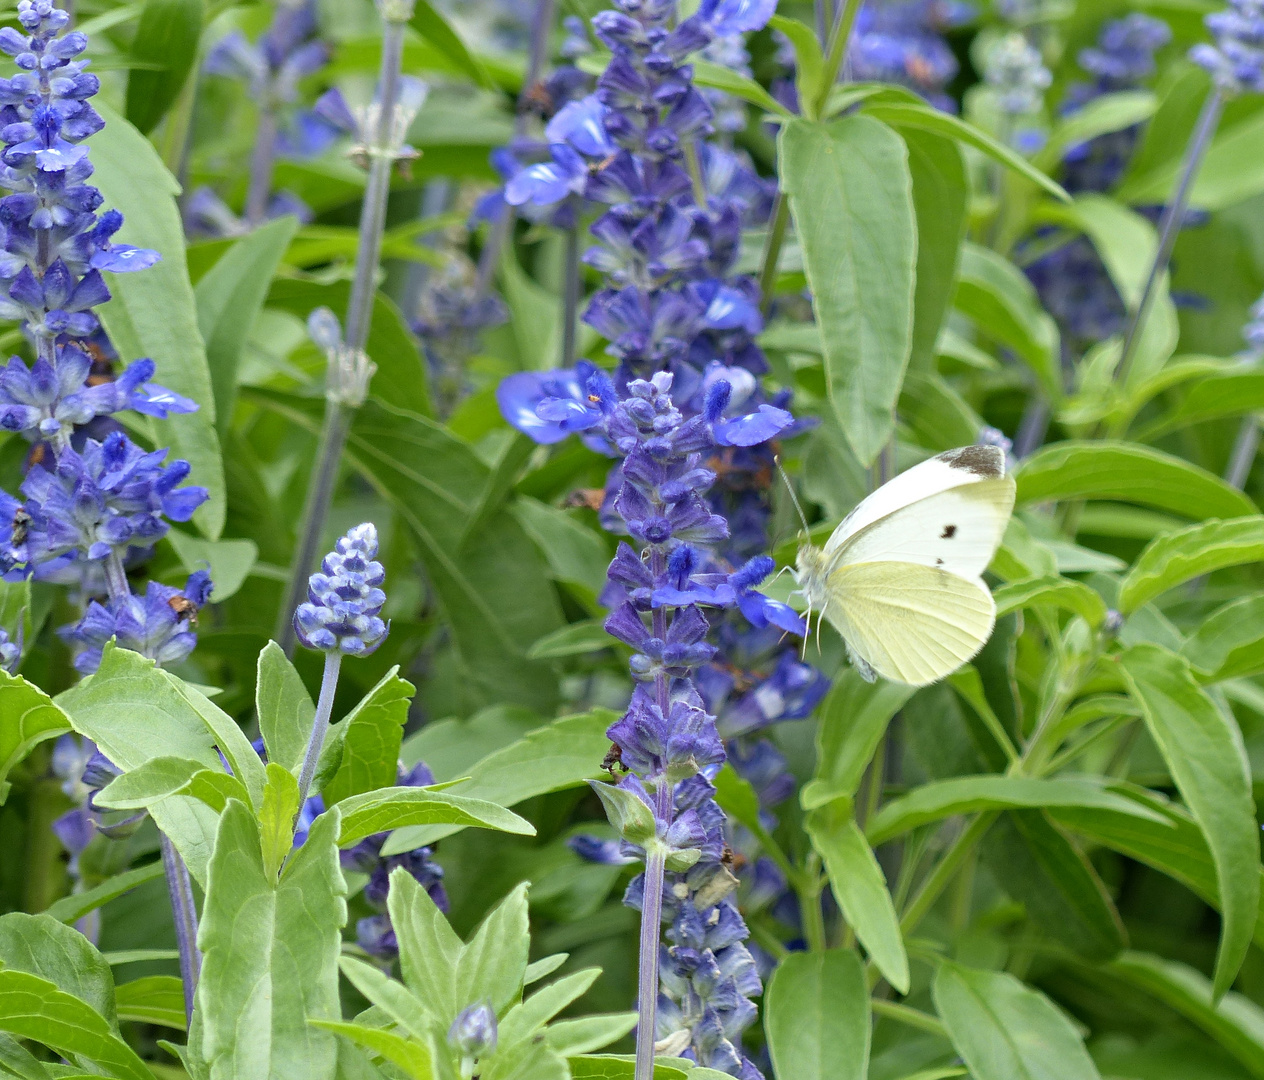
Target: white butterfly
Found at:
x=900, y=579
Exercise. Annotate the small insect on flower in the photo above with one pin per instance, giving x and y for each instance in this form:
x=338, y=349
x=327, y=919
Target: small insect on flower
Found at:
x=901, y=577
x=613, y=760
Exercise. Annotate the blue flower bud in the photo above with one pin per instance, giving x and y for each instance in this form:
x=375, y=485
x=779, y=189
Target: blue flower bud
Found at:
x=344, y=605
x=473, y=1032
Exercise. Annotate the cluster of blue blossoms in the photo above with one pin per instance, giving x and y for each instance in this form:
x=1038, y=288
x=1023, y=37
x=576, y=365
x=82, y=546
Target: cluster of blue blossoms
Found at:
x=686, y=417
x=1236, y=60
x=903, y=43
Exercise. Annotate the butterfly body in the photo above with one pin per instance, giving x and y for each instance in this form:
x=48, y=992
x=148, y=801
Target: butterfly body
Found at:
x=901, y=577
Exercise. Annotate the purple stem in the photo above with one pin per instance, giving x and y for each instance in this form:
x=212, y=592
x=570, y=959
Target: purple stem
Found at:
x=320, y=725
x=1170, y=224
x=180, y=888
x=262, y=162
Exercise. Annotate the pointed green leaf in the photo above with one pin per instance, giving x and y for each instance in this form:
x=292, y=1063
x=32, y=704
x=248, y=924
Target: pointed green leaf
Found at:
x=395, y=807
x=860, y=888
x=1102, y=115
x=229, y=562
x=167, y=36
x=817, y=1017
x=408, y=1054
x=276, y=818
x=393, y=998
x=270, y=954
x=588, y=1033
x=1229, y=642
x=1178, y=557
x=429, y=949
x=1204, y=753
x=529, y=1016
x=1054, y=592
x=155, y=999
x=27, y=717
x=160, y=778
x=436, y=31
x=72, y=908
x=41, y=945
x=370, y=737
x=1007, y=1031
x=574, y=639
x=152, y=312
x=285, y=709
x=494, y=961
x=851, y=198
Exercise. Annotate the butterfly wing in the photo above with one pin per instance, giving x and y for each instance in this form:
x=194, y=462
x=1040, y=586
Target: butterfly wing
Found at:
x=911, y=623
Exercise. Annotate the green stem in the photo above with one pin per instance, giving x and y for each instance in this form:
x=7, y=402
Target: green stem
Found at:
x=947, y=867
x=809, y=890
x=839, y=37
x=910, y=1017
x=772, y=250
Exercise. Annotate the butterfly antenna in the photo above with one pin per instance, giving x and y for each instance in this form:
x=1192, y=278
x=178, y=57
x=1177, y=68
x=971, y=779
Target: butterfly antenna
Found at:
x=793, y=497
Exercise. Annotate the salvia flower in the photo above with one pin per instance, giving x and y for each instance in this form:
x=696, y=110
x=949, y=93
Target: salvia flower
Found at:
x=902, y=43
x=159, y=625
x=473, y=1032
x=1017, y=75
x=1236, y=60
x=361, y=122
x=344, y=600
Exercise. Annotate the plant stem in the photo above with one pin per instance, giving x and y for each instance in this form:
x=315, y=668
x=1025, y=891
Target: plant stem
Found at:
x=337, y=422
x=772, y=250
x=840, y=35
x=1170, y=225
x=647, y=982
x=809, y=890
x=570, y=296
x=262, y=163
x=1244, y=450
x=320, y=724
x=947, y=866
x=906, y=1014
x=183, y=908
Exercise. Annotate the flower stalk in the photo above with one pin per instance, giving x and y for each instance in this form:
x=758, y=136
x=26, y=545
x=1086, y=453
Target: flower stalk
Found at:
x=320, y=725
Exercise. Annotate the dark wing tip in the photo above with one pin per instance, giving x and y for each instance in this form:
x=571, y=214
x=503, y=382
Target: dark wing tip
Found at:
x=981, y=460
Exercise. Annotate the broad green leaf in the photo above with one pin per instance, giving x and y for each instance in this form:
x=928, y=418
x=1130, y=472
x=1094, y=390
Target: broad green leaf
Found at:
x=285, y=709
x=560, y=755
x=1204, y=753
x=1235, y=1021
x=1102, y=115
x=816, y=1015
x=270, y=954
x=401, y=376
x=940, y=193
x=451, y=748
x=628, y=815
x=276, y=818
x=1178, y=557
x=1129, y=473
x=919, y=115
x=939, y=417
x=27, y=717
x=41, y=945
x=1003, y=304
x=153, y=312
x=438, y=32
x=613, y=1067
x=160, y=778
x=573, y=639
x=852, y=201
x=1220, y=394
x=1039, y=866
x=20, y=1061
x=408, y=1054
x=395, y=807
x=969, y=794
x=228, y=561
x=1055, y=592
x=529, y=1060
x=860, y=888
x=809, y=61
x=33, y=1008
x=72, y=908
x=588, y=1033
x=155, y=999
x=574, y=552
x=1007, y=1031
x=229, y=298
x=166, y=37
x=370, y=738
x=493, y=962
x=719, y=77
x=1228, y=643
x=852, y=720
x=230, y=740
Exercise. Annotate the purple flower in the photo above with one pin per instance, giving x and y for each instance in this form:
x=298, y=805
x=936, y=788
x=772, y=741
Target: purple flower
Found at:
x=568, y=409
x=344, y=601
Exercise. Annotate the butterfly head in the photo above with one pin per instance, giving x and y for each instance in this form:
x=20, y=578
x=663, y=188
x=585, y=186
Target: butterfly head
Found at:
x=810, y=573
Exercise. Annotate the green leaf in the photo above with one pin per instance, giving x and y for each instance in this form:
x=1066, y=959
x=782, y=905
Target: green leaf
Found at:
x=40, y=945
x=20, y=1061
x=408, y=1054
x=391, y=997
x=166, y=37
x=394, y=807
x=1218, y=395
x=229, y=298
x=160, y=778
x=574, y=552
x=1203, y=750
x=1228, y=643
x=573, y=639
x=588, y=1033
x=526, y=1018
x=72, y=908
x=852, y=720
x=155, y=999
x=1039, y=866
x=1178, y=557
x=33, y=1008
x=285, y=709
x=229, y=561
x=270, y=954
x=1055, y=592
x=852, y=201
x=371, y=737
x=817, y=1017
x=629, y=816
x=153, y=312
x=860, y=888
x=809, y=60
x=276, y=818
x=737, y=797
x=27, y=717
x=613, y=1067
x=436, y=31
x=1102, y=115
x=562, y=754
x=1129, y=473
x=532, y=1060
x=940, y=194
x=1007, y=1031
x=969, y=794
x=923, y=117
x=1235, y=1022
x=719, y=77
x=1003, y=304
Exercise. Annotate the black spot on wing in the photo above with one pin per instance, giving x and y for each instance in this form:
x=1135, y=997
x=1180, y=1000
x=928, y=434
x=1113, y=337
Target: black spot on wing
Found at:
x=980, y=460
x=949, y=532
x=939, y=562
